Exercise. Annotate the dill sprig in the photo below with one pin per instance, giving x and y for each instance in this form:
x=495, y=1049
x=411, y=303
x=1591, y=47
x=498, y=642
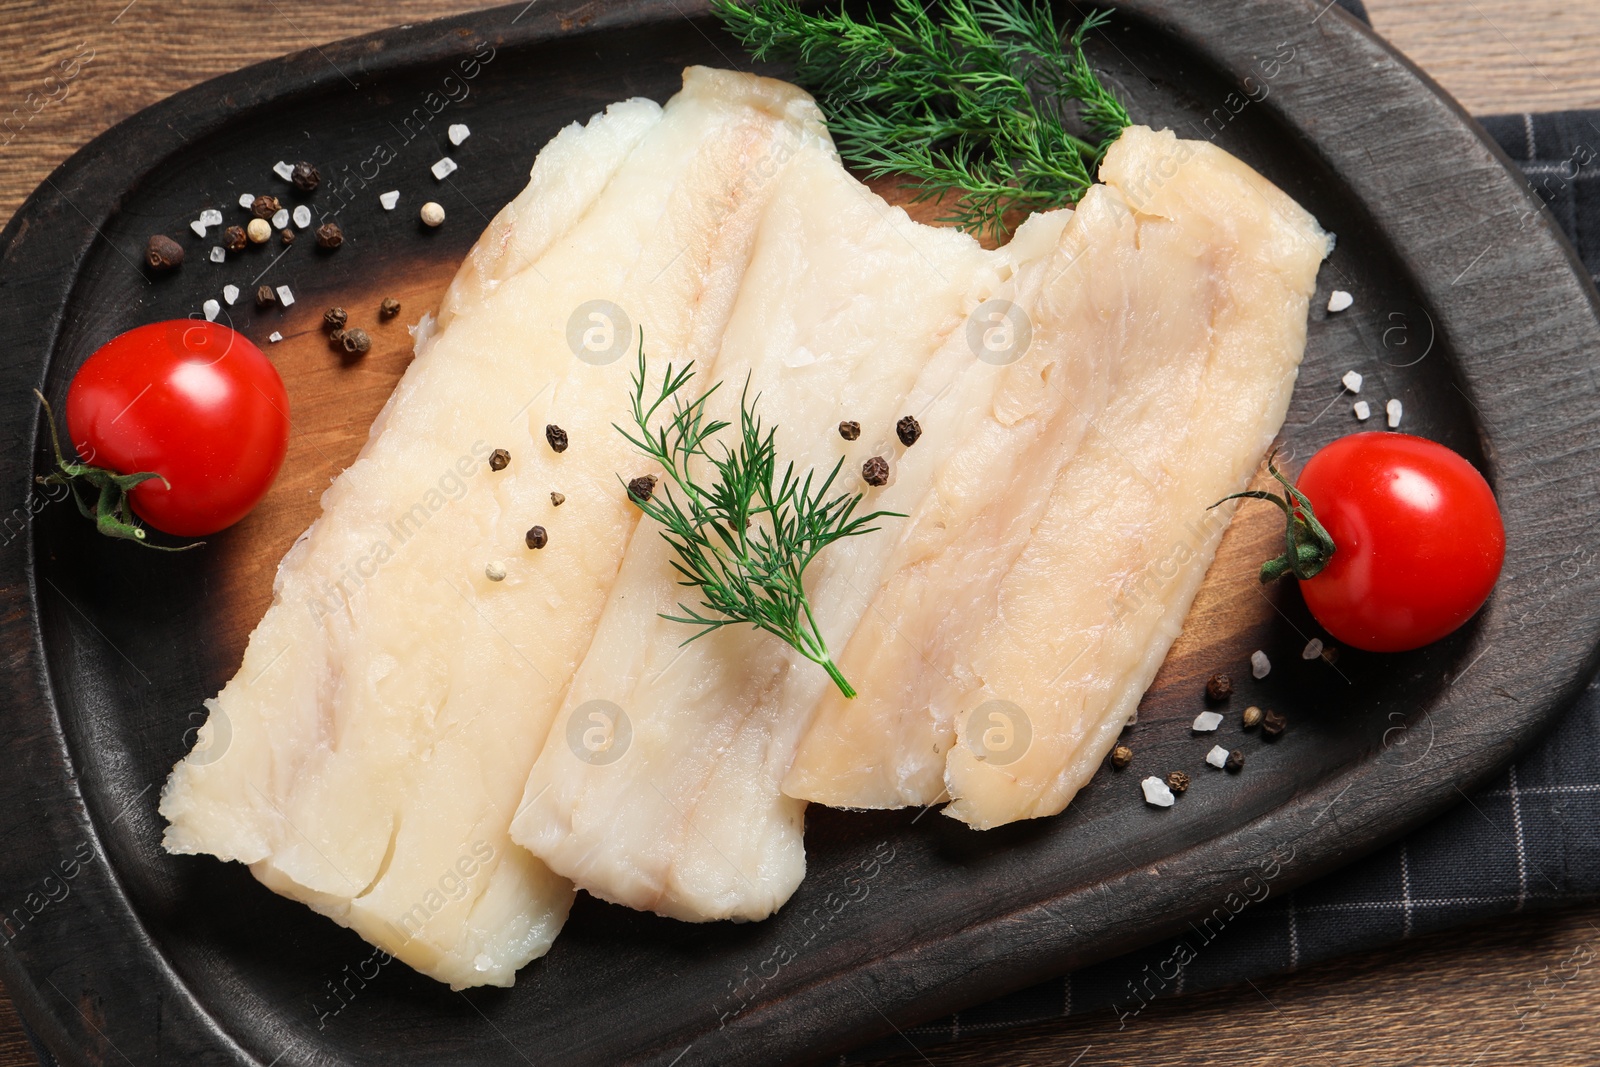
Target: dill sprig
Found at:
x=974, y=97
x=744, y=537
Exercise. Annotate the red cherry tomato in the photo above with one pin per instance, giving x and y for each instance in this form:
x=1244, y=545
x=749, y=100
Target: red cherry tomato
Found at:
x=1417, y=535
x=196, y=403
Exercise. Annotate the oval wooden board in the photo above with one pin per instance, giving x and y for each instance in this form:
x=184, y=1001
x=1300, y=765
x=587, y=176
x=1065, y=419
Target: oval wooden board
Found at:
x=1468, y=308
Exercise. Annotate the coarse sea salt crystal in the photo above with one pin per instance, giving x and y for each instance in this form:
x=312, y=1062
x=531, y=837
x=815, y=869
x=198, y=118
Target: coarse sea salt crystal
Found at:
x=458, y=132
x=281, y=218
x=302, y=216
x=211, y=307
x=285, y=297
x=247, y=200
x=283, y=170
x=230, y=293
x=1156, y=792
x=1393, y=409
x=198, y=227
x=274, y=336
x=211, y=217
x=1207, y=721
x=1217, y=757
x=1259, y=664
x=1362, y=409
x=218, y=254
x=389, y=199
x=1340, y=300
x=444, y=168
x=1352, y=380
x=1313, y=649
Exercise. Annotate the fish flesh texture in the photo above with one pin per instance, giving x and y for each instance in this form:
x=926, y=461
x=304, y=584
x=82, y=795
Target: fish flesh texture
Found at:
x=848, y=311
x=369, y=755
x=1189, y=276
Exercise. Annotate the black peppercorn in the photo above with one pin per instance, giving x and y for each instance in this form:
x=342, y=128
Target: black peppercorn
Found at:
x=849, y=430
x=265, y=297
x=1121, y=756
x=329, y=235
x=1219, y=687
x=234, y=238
x=288, y=236
x=163, y=253
x=389, y=308
x=336, y=338
x=499, y=459
x=875, y=471
x=264, y=207
x=305, y=176
x=356, y=342
x=335, y=318
x=557, y=437
x=908, y=430
x=537, y=538
x=1273, y=723
x=640, y=488
x=1178, y=782
x=1235, y=762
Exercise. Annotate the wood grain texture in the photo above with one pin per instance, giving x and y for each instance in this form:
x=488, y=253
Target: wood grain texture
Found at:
x=1453, y=994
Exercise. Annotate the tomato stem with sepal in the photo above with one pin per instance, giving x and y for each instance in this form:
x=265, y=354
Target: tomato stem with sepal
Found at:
x=112, y=513
x=1307, y=546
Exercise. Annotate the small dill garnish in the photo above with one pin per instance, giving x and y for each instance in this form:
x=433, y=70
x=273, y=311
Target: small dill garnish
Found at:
x=963, y=96
x=744, y=537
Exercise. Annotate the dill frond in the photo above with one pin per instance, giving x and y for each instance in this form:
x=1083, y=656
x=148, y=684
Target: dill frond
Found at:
x=973, y=97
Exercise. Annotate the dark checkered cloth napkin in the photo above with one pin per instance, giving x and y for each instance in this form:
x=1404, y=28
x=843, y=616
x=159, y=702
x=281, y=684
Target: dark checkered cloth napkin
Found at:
x=1530, y=840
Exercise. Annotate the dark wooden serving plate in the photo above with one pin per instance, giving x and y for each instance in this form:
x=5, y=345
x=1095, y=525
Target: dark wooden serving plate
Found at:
x=1468, y=307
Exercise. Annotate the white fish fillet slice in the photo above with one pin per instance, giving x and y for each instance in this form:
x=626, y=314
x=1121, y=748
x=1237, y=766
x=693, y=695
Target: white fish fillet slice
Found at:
x=368, y=757
x=1096, y=599
x=1193, y=278
x=848, y=311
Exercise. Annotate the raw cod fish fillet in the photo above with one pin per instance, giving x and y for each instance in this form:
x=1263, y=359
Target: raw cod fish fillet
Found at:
x=369, y=755
x=1165, y=321
x=1188, y=277
x=849, y=310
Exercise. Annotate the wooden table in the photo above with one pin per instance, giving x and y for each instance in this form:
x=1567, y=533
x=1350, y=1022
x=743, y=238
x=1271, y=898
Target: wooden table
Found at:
x=1454, y=998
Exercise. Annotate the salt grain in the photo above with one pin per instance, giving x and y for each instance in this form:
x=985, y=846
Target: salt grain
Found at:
x=1217, y=757
x=283, y=170
x=389, y=199
x=285, y=297
x=1259, y=664
x=302, y=216
x=211, y=307
x=458, y=132
x=1313, y=649
x=1352, y=380
x=1207, y=721
x=247, y=200
x=1157, y=793
x=1392, y=409
x=230, y=293
x=1362, y=409
x=218, y=254
x=211, y=217
x=1340, y=300
x=281, y=218
x=444, y=168
x=198, y=227
x=275, y=337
